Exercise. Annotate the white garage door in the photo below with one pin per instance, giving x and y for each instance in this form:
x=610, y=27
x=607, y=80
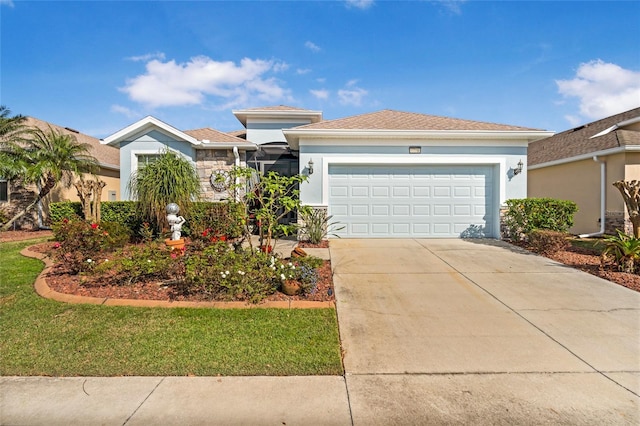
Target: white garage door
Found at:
x=412, y=201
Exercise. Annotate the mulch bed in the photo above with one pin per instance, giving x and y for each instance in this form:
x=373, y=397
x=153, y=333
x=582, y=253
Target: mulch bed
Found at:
x=59, y=279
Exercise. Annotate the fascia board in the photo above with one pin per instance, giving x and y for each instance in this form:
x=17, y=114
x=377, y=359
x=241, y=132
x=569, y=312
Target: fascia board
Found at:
x=294, y=135
x=228, y=145
x=142, y=126
x=242, y=115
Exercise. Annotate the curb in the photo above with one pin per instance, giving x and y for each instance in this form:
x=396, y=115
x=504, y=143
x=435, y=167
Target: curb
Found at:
x=43, y=290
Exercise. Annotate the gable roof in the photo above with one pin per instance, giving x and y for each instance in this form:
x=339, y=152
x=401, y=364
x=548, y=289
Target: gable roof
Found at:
x=600, y=135
x=397, y=120
x=107, y=156
x=204, y=138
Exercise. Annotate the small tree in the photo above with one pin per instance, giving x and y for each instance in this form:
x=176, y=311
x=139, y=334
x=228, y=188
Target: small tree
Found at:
x=269, y=198
x=90, y=194
x=171, y=178
x=630, y=191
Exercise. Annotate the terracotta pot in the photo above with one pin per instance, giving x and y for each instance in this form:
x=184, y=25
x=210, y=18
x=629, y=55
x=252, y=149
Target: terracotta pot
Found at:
x=291, y=287
x=175, y=244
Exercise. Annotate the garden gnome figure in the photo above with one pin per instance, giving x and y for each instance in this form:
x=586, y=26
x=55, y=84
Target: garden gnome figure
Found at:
x=174, y=220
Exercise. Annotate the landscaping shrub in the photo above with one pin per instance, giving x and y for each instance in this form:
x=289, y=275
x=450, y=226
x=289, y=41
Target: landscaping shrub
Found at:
x=70, y=210
x=123, y=212
x=544, y=241
x=317, y=225
x=214, y=219
x=80, y=243
x=221, y=272
x=525, y=215
x=623, y=251
x=148, y=261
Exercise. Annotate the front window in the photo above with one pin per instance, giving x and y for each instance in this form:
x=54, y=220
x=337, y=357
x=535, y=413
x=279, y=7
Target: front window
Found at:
x=144, y=159
x=4, y=190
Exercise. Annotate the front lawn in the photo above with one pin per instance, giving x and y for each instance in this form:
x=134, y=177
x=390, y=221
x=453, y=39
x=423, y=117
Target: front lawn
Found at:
x=44, y=337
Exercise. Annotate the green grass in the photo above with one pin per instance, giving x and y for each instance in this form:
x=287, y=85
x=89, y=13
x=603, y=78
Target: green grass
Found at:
x=44, y=337
x=594, y=244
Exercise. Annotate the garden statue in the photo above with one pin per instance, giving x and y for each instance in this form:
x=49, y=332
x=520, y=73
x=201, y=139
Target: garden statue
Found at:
x=175, y=221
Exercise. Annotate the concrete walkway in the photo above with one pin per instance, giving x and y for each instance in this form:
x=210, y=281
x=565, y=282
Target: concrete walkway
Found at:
x=433, y=331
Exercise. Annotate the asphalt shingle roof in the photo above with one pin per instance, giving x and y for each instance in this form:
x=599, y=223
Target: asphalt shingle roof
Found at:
x=105, y=154
x=579, y=141
x=212, y=135
x=397, y=120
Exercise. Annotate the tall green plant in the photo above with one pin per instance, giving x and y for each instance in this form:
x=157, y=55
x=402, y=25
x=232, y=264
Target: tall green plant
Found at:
x=169, y=179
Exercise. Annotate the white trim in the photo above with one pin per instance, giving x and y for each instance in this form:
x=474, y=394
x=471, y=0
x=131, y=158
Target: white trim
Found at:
x=417, y=142
x=386, y=161
x=588, y=156
x=294, y=135
x=143, y=126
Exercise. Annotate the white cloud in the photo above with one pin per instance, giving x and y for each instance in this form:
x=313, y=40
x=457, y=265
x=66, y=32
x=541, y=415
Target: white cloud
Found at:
x=127, y=112
x=312, y=46
x=7, y=3
x=303, y=71
x=320, y=94
x=359, y=4
x=146, y=57
x=173, y=84
x=603, y=89
x=452, y=6
x=352, y=96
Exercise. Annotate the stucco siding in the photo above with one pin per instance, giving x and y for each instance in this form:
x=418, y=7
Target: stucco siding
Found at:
x=579, y=181
x=265, y=132
x=152, y=142
x=503, y=158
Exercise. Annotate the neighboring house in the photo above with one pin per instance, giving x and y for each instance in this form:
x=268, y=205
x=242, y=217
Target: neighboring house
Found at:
x=14, y=196
x=386, y=174
x=581, y=165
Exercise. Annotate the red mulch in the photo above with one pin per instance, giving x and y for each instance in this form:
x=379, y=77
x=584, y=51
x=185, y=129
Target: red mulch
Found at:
x=10, y=236
x=589, y=261
x=321, y=244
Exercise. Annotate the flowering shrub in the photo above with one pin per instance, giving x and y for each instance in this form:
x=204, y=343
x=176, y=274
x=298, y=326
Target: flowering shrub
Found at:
x=82, y=242
x=146, y=262
x=221, y=272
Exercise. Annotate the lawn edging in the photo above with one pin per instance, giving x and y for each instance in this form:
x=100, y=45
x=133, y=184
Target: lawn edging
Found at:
x=43, y=290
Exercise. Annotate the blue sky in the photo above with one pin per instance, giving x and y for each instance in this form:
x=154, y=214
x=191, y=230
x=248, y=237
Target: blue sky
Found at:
x=98, y=66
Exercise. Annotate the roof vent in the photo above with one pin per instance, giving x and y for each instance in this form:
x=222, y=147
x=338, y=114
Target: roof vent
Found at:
x=206, y=141
x=71, y=130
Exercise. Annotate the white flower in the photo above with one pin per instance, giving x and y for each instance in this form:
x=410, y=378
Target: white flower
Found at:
x=106, y=260
x=226, y=272
x=290, y=265
x=282, y=277
x=89, y=261
x=148, y=260
x=241, y=272
x=281, y=266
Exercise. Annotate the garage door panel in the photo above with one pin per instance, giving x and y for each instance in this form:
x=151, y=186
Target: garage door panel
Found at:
x=360, y=191
x=406, y=201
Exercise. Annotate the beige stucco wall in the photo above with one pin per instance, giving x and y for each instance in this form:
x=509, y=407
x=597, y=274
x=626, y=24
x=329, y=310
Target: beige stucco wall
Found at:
x=580, y=182
x=110, y=177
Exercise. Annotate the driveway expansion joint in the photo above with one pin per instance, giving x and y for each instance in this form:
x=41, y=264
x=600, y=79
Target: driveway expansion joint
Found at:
x=143, y=401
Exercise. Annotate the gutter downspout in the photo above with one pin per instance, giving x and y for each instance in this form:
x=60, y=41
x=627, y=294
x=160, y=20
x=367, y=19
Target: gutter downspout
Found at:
x=237, y=182
x=603, y=198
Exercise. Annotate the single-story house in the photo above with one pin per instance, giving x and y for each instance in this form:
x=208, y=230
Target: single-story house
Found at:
x=581, y=165
x=14, y=196
x=386, y=174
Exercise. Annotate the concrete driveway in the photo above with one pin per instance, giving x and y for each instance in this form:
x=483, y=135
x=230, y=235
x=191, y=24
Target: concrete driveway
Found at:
x=479, y=332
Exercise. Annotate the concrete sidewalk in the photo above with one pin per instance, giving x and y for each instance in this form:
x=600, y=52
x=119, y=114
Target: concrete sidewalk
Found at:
x=433, y=332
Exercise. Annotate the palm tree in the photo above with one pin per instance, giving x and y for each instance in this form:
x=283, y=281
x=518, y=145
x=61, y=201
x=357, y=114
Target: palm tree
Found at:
x=45, y=158
x=169, y=179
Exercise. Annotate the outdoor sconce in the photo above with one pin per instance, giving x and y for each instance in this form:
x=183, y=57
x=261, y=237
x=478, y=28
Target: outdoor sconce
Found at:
x=518, y=168
x=310, y=166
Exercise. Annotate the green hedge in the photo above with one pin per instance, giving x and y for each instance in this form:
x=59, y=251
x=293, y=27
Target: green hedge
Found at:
x=202, y=215
x=525, y=215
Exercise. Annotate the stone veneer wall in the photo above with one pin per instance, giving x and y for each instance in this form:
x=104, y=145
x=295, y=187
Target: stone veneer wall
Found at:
x=212, y=160
x=302, y=235
x=615, y=221
x=20, y=197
